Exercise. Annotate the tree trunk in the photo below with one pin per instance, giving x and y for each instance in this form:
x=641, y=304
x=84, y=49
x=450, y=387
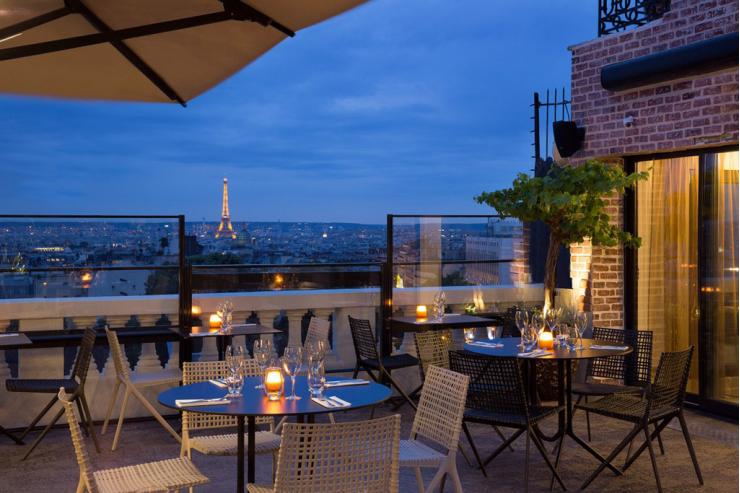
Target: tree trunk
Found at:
x=553, y=249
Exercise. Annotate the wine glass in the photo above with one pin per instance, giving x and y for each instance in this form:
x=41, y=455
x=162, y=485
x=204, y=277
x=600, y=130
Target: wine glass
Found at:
x=529, y=337
x=234, y=356
x=316, y=350
x=492, y=332
x=581, y=322
x=522, y=320
x=552, y=317
x=292, y=361
x=262, y=351
x=316, y=378
x=469, y=335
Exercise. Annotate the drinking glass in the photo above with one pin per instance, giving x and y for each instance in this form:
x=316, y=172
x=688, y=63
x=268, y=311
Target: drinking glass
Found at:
x=316, y=378
x=581, y=323
x=469, y=335
x=529, y=337
x=552, y=318
x=234, y=356
x=522, y=320
x=262, y=351
x=562, y=335
x=235, y=383
x=316, y=350
x=292, y=361
x=492, y=333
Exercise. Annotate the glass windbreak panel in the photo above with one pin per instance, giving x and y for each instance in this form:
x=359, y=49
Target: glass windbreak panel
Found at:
x=719, y=281
x=667, y=261
x=87, y=257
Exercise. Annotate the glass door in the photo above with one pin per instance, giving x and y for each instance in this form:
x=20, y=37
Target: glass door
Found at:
x=686, y=271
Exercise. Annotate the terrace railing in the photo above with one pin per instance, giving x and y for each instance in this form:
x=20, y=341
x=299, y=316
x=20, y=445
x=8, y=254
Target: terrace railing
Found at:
x=620, y=15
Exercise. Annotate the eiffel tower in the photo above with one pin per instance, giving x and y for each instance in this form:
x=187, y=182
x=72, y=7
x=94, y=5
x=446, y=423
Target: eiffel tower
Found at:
x=225, y=230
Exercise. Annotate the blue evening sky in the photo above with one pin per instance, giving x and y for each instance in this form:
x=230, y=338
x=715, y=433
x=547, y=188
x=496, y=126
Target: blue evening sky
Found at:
x=399, y=106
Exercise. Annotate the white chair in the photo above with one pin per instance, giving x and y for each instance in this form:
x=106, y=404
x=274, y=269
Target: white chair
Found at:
x=438, y=420
x=359, y=456
x=161, y=476
x=132, y=384
x=225, y=443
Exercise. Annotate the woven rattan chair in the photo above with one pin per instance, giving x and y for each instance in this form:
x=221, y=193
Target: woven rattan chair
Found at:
x=74, y=384
x=131, y=384
x=368, y=359
x=162, y=476
x=357, y=456
x=432, y=348
x=438, y=420
x=226, y=443
x=660, y=402
x=496, y=396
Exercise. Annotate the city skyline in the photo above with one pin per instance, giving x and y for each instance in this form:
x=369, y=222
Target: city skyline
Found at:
x=325, y=128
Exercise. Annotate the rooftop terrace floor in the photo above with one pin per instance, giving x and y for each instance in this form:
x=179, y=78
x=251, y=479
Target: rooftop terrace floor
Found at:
x=716, y=442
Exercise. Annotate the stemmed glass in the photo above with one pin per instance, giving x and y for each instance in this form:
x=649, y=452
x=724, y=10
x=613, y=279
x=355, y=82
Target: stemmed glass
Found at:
x=529, y=337
x=469, y=334
x=522, y=322
x=552, y=317
x=235, y=356
x=262, y=351
x=317, y=350
x=292, y=361
x=581, y=322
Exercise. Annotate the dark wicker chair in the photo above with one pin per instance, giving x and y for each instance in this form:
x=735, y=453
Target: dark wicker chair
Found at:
x=496, y=396
x=75, y=385
x=659, y=403
x=368, y=359
x=633, y=370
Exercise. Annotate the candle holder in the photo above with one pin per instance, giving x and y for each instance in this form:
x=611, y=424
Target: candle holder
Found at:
x=546, y=340
x=421, y=311
x=273, y=382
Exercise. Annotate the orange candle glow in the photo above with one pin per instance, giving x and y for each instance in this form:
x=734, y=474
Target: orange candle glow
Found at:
x=214, y=321
x=273, y=383
x=196, y=311
x=546, y=341
x=421, y=311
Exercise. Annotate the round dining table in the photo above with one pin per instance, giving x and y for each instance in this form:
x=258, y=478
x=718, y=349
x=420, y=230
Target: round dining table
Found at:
x=510, y=347
x=253, y=403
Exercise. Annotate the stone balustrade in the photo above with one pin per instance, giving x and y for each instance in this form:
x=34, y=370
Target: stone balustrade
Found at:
x=148, y=311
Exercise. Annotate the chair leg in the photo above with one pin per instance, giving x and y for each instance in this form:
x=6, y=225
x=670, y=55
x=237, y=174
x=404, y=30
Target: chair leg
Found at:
x=111, y=404
x=43, y=433
x=81, y=486
x=89, y=420
x=398, y=388
x=452, y=471
x=504, y=445
x=120, y=418
x=357, y=370
x=526, y=465
x=652, y=457
x=153, y=411
x=475, y=450
x=588, y=421
x=557, y=458
x=83, y=417
x=660, y=441
x=38, y=417
x=541, y=448
x=632, y=434
x=631, y=458
x=501, y=436
x=687, y=438
x=419, y=479
x=437, y=479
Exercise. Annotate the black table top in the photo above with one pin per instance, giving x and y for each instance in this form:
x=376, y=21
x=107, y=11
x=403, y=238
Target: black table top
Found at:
x=255, y=403
x=14, y=340
x=237, y=330
x=449, y=321
x=511, y=349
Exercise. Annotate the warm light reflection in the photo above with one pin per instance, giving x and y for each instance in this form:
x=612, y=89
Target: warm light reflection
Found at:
x=214, y=322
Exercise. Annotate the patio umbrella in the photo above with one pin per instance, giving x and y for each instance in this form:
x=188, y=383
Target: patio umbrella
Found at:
x=142, y=50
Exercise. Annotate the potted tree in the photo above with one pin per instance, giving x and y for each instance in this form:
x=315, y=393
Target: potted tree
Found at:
x=570, y=200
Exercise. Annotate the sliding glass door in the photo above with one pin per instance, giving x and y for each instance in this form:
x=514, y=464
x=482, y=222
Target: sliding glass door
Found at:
x=686, y=271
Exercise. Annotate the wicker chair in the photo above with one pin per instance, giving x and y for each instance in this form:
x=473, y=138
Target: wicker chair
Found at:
x=131, y=384
x=74, y=384
x=220, y=444
x=369, y=360
x=432, y=348
x=660, y=402
x=342, y=457
x=496, y=396
x=162, y=476
x=438, y=420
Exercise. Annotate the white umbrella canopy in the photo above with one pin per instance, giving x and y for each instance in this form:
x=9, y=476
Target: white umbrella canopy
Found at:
x=142, y=50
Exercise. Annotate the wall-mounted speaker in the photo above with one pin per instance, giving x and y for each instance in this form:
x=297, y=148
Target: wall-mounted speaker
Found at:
x=568, y=137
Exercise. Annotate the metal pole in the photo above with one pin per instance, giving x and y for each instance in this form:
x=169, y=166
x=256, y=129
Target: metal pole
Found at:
x=537, y=156
x=386, y=292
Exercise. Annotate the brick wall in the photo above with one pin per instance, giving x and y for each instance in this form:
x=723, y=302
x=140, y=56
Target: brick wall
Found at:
x=693, y=112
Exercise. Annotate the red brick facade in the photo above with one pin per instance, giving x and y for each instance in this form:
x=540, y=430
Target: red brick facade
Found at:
x=694, y=112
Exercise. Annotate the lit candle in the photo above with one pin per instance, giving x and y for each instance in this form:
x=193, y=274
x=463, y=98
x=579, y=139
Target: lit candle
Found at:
x=196, y=311
x=214, y=321
x=273, y=383
x=421, y=311
x=546, y=341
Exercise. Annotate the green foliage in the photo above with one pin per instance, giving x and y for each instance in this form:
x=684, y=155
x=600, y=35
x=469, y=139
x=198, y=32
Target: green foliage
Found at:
x=570, y=200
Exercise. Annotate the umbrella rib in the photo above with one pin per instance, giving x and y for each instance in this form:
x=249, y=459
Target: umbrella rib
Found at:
x=127, y=52
x=15, y=29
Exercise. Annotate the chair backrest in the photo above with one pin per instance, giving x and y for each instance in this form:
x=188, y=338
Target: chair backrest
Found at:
x=318, y=330
x=612, y=367
x=441, y=407
x=433, y=347
x=83, y=460
x=496, y=384
x=119, y=361
x=357, y=456
x=202, y=371
x=363, y=339
x=639, y=363
x=84, y=355
x=669, y=387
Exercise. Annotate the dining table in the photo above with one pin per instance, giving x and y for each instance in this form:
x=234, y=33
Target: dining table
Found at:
x=510, y=347
x=401, y=324
x=254, y=403
x=13, y=340
x=223, y=337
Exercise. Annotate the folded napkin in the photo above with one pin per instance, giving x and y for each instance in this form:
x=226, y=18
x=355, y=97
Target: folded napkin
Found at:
x=201, y=402
x=331, y=402
x=9, y=334
x=218, y=382
x=615, y=348
x=346, y=383
x=534, y=354
x=486, y=344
